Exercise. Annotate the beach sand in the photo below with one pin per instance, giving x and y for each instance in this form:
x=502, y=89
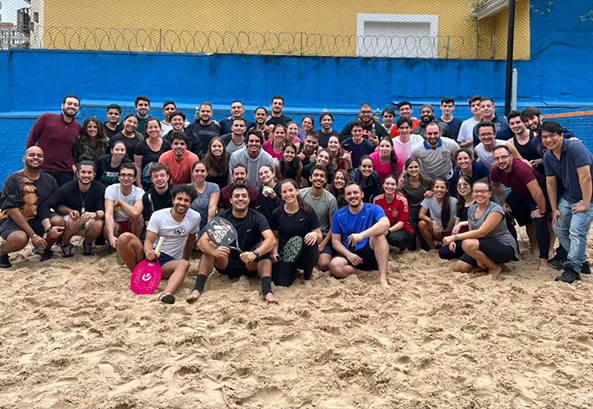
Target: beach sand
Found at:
x=73, y=335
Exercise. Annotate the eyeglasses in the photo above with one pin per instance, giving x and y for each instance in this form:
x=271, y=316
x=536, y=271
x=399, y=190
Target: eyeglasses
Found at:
x=481, y=191
x=126, y=176
x=548, y=136
x=499, y=158
x=486, y=134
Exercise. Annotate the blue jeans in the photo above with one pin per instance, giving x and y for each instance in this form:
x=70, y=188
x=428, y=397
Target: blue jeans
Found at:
x=572, y=233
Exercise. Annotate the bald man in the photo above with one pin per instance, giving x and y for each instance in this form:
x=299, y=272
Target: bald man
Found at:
x=24, y=214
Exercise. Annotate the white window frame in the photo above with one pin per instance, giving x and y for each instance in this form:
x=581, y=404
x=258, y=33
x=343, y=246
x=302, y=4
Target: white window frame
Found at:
x=432, y=20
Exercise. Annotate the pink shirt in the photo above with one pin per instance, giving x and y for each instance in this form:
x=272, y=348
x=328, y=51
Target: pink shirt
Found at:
x=267, y=146
x=384, y=168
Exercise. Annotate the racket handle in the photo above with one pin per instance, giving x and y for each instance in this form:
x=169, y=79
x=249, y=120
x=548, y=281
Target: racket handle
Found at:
x=159, y=244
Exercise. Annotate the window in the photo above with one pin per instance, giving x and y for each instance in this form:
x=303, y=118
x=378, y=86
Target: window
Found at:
x=36, y=17
x=397, y=35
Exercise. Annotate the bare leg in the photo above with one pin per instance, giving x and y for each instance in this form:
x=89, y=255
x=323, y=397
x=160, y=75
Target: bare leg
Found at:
x=205, y=267
x=427, y=233
x=472, y=248
x=323, y=263
x=130, y=250
x=72, y=226
x=175, y=271
x=381, y=248
x=15, y=241
x=137, y=226
x=339, y=268
x=94, y=230
x=462, y=267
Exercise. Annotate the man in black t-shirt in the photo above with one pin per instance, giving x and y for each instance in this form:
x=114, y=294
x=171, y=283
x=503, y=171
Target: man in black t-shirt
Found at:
x=237, y=111
x=308, y=148
x=204, y=127
x=24, y=213
x=372, y=130
x=158, y=196
x=255, y=257
x=82, y=203
x=276, y=117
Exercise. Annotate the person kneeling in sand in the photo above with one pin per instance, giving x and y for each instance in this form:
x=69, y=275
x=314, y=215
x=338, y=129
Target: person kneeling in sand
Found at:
x=251, y=228
x=358, y=237
x=488, y=244
x=178, y=225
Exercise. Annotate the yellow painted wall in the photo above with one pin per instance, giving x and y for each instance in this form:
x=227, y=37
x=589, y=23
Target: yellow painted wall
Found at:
x=183, y=18
x=497, y=26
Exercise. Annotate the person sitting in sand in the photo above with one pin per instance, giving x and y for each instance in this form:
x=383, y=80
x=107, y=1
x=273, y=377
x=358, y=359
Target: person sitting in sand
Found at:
x=82, y=203
x=23, y=214
x=123, y=206
x=178, y=225
x=255, y=259
x=437, y=215
x=358, y=237
x=488, y=244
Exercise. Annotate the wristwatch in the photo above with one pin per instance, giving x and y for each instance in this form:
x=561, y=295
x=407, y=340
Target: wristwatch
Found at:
x=256, y=253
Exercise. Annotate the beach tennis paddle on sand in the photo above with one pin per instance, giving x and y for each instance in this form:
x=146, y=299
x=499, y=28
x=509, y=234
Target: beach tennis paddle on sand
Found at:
x=147, y=274
x=292, y=249
x=223, y=233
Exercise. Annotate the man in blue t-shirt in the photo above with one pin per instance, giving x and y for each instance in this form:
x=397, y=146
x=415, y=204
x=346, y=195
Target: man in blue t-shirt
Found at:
x=572, y=163
x=358, y=237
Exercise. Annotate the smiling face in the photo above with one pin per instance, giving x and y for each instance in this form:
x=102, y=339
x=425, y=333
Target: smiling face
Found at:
x=516, y=125
x=487, y=108
x=239, y=175
x=289, y=154
x=388, y=118
x=265, y=174
x=70, y=107
x=260, y=116
x=405, y=111
x=85, y=174
x=366, y=114
x=551, y=140
x=463, y=188
x=237, y=109
x=126, y=177
x=440, y=189
x=289, y=193
x=131, y=124
x=427, y=114
x=447, y=108
x=463, y=160
x=92, y=128
x=205, y=113
x=118, y=150
x=502, y=159
x=142, y=107
x=404, y=130
x=199, y=173
x=277, y=106
x=160, y=179
x=327, y=122
x=177, y=123
x=487, y=135
x=153, y=129
x=323, y=158
x=181, y=203
x=253, y=145
x=240, y=199
x=390, y=185
x=279, y=134
x=357, y=134
x=307, y=124
x=179, y=147
x=385, y=148
x=311, y=143
x=366, y=167
x=318, y=178
x=481, y=193
x=333, y=144
x=475, y=107
x=339, y=180
x=113, y=116
x=217, y=148
x=293, y=131
x=533, y=122
x=413, y=168
x=433, y=134
x=238, y=127
x=353, y=195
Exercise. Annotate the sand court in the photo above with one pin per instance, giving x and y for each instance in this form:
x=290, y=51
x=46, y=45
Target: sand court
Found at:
x=72, y=335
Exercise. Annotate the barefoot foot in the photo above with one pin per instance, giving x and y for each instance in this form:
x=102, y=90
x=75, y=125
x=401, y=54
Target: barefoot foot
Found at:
x=193, y=296
x=495, y=272
x=271, y=298
x=384, y=283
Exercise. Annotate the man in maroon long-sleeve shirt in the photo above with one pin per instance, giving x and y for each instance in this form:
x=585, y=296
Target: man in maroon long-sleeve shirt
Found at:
x=56, y=134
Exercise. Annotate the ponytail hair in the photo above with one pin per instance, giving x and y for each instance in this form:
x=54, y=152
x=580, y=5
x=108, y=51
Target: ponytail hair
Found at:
x=302, y=204
x=446, y=209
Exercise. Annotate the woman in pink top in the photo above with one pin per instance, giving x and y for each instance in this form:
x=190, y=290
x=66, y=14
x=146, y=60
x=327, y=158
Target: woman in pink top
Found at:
x=275, y=146
x=385, y=160
x=404, y=143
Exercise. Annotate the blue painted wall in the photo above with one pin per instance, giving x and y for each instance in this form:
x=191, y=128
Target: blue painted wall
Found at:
x=557, y=78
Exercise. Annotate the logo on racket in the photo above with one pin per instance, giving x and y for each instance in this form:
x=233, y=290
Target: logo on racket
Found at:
x=220, y=232
x=146, y=277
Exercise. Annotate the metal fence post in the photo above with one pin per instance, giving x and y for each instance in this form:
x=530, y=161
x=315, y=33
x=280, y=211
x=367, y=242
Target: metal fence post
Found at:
x=448, y=46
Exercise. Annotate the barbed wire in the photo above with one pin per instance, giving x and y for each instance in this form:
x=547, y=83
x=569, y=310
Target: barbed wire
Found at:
x=266, y=43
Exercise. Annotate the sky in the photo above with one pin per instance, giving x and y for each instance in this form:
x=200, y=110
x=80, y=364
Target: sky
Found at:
x=9, y=8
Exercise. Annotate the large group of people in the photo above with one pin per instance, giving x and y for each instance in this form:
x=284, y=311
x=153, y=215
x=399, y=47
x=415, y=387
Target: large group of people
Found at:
x=389, y=184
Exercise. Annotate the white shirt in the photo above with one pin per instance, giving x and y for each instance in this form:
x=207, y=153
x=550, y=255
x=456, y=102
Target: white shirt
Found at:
x=114, y=193
x=485, y=156
x=466, y=132
x=175, y=233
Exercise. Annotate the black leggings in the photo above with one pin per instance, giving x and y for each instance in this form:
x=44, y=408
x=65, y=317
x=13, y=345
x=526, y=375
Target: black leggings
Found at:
x=400, y=239
x=446, y=254
x=494, y=250
x=284, y=274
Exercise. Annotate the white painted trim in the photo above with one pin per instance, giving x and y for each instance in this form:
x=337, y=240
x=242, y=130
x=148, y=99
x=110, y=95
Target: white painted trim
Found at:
x=432, y=20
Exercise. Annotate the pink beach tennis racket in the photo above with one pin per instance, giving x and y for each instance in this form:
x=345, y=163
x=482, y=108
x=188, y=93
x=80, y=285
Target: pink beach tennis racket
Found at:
x=147, y=275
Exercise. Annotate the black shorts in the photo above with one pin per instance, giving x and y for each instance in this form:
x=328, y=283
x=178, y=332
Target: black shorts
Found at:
x=237, y=268
x=367, y=254
x=521, y=208
x=8, y=226
x=497, y=252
